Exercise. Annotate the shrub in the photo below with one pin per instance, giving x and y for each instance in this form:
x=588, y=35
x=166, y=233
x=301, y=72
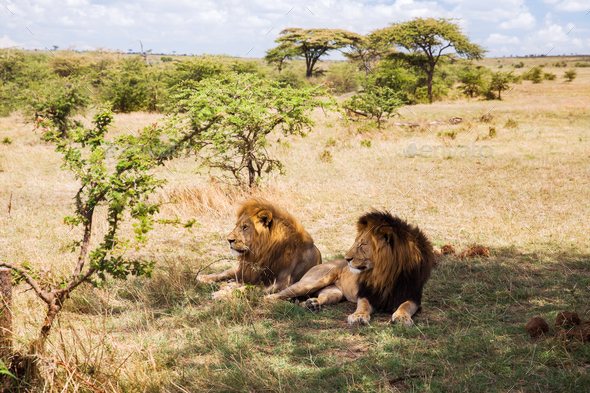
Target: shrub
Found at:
x=570, y=75
x=343, y=77
x=549, y=76
x=127, y=86
x=365, y=143
x=471, y=81
x=535, y=75
x=375, y=103
x=57, y=101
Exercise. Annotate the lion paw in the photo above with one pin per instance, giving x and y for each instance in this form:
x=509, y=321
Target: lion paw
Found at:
x=403, y=317
x=273, y=297
x=207, y=279
x=361, y=318
x=221, y=295
x=313, y=305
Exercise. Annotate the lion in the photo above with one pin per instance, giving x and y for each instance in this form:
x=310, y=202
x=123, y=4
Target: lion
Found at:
x=272, y=248
x=386, y=269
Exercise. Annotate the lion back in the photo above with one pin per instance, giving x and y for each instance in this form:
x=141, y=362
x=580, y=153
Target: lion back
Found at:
x=278, y=243
x=401, y=271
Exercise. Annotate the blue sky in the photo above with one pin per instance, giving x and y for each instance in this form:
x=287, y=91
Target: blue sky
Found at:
x=248, y=28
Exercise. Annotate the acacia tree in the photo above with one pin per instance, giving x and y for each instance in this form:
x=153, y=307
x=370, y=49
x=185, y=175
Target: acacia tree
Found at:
x=311, y=44
x=425, y=41
x=500, y=82
x=366, y=51
x=250, y=108
x=279, y=55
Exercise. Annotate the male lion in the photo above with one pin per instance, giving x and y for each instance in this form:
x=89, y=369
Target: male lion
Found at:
x=271, y=246
x=385, y=269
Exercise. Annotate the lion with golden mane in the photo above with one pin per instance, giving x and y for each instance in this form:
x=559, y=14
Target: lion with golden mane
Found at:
x=272, y=249
x=386, y=269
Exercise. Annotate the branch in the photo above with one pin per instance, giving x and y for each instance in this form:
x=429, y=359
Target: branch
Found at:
x=31, y=281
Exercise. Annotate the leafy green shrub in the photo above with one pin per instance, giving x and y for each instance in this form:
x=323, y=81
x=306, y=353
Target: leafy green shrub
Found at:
x=471, y=81
x=570, y=75
x=365, y=143
x=376, y=103
x=57, y=101
x=519, y=65
x=534, y=75
x=196, y=68
x=549, y=76
x=492, y=132
x=582, y=64
x=126, y=87
x=242, y=110
x=7, y=141
x=343, y=77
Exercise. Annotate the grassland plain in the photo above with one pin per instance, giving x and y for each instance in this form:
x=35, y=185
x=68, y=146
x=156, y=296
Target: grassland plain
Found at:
x=529, y=203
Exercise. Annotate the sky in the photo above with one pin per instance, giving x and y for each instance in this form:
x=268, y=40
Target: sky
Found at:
x=248, y=28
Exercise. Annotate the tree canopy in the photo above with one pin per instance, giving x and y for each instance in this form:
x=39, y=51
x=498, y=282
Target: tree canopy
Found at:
x=425, y=41
x=310, y=44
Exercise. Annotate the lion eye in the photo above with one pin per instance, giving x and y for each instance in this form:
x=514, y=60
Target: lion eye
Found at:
x=245, y=227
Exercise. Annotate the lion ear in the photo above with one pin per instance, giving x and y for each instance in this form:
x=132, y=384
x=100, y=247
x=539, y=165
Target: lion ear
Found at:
x=264, y=217
x=386, y=233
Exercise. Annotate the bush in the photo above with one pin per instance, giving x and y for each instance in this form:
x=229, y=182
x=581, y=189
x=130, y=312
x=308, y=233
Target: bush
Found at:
x=376, y=103
x=519, y=65
x=57, y=101
x=534, y=75
x=570, y=75
x=343, y=77
x=127, y=86
x=549, y=76
x=471, y=81
x=582, y=64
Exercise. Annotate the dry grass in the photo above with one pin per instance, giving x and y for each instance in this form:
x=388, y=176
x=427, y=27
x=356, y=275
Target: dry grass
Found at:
x=532, y=197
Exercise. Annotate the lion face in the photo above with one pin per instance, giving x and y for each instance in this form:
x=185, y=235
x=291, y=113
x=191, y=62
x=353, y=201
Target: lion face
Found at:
x=248, y=231
x=240, y=239
x=360, y=256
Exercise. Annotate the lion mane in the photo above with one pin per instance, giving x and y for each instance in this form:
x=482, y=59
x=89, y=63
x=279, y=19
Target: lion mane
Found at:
x=403, y=258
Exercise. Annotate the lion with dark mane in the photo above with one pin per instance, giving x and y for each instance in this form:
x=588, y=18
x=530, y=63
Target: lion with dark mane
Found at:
x=272, y=248
x=386, y=269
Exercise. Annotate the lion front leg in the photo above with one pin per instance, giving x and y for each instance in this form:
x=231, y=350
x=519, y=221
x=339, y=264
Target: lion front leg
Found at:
x=216, y=277
x=404, y=313
x=363, y=312
x=329, y=295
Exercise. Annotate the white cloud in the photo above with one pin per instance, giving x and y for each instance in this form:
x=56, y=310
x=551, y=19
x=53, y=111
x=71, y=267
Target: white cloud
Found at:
x=573, y=6
x=524, y=20
x=6, y=42
x=502, y=39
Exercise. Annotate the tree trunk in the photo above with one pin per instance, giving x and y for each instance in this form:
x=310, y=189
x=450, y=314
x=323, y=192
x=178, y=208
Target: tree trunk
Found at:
x=430, y=77
x=251, y=174
x=499, y=94
x=5, y=315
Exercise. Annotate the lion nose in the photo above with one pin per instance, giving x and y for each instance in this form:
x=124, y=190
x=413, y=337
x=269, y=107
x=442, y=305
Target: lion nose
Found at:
x=231, y=240
x=348, y=260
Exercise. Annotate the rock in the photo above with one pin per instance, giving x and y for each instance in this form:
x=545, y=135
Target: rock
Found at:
x=455, y=120
x=567, y=318
x=537, y=327
x=447, y=249
x=477, y=251
x=578, y=334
